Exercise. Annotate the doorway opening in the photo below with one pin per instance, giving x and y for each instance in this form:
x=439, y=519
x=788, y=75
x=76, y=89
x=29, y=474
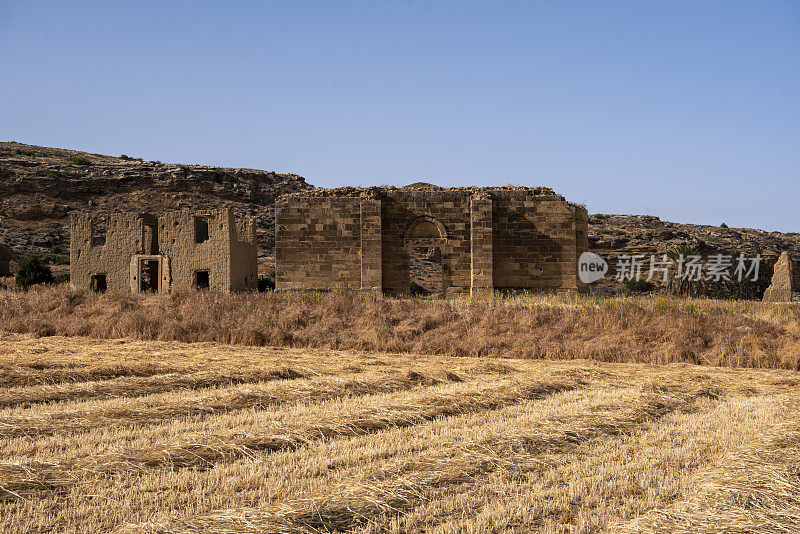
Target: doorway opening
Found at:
x=425, y=271
x=148, y=276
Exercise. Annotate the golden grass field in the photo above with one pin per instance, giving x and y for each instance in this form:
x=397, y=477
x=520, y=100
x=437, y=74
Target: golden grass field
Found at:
x=125, y=435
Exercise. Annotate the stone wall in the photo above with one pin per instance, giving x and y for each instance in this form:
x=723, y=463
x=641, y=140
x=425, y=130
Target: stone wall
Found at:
x=536, y=241
x=112, y=258
x=173, y=244
x=244, y=256
x=318, y=243
x=489, y=238
x=782, y=287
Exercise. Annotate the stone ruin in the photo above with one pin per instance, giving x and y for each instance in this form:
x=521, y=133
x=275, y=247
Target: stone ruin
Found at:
x=8, y=260
x=480, y=239
x=142, y=253
x=782, y=287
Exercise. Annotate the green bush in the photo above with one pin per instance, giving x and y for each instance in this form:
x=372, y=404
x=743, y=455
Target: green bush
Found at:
x=128, y=158
x=80, y=160
x=61, y=278
x=54, y=259
x=62, y=174
x=639, y=286
x=33, y=270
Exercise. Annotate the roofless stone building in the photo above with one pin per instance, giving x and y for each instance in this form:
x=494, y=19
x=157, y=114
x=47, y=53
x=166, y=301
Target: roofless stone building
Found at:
x=479, y=239
x=142, y=253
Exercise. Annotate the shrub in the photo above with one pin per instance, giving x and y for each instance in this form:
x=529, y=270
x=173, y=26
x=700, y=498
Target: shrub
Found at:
x=80, y=160
x=62, y=174
x=33, y=270
x=128, y=158
x=61, y=278
x=639, y=286
x=54, y=259
x=723, y=225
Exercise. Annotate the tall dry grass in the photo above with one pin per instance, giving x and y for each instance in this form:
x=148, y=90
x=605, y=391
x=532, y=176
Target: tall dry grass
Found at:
x=643, y=329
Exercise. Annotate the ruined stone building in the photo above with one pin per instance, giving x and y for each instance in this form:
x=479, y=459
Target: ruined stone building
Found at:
x=784, y=280
x=478, y=239
x=142, y=253
x=7, y=260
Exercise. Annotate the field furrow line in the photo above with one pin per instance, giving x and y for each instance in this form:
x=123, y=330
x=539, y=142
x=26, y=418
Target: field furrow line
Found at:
x=137, y=386
x=397, y=489
x=43, y=373
x=755, y=490
x=203, y=451
x=135, y=411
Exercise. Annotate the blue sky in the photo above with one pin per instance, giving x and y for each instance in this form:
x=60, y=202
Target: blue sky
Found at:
x=685, y=110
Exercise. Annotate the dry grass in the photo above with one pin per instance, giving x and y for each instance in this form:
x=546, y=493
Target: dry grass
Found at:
x=636, y=329
x=376, y=442
x=157, y=408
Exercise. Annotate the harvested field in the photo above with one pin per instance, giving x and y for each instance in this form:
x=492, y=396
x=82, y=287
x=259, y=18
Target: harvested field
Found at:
x=162, y=436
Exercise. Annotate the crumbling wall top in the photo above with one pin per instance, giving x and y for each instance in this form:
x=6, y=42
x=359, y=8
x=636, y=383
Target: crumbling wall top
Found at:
x=387, y=191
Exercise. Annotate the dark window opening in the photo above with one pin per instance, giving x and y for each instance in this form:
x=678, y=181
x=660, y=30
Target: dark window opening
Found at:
x=425, y=271
x=98, y=283
x=202, y=280
x=148, y=276
x=99, y=231
x=200, y=229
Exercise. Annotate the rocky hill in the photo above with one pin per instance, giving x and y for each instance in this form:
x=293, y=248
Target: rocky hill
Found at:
x=40, y=186
x=610, y=235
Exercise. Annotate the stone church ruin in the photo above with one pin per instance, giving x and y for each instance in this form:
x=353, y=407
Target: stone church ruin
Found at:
x=141, y=253
x=480, y=239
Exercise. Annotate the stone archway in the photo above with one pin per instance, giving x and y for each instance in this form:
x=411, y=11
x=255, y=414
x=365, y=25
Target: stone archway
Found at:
x=425, y=227
x=425, y=239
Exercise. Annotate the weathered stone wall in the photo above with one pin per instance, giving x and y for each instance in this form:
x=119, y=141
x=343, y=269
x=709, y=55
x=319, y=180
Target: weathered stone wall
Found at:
x=123, y=239
x=178, y=241
x=244, y=256
x=782, y=287
x=452, y=210
x=318, y=243
x=492, y=238
x=228, y=254
x=536, y=241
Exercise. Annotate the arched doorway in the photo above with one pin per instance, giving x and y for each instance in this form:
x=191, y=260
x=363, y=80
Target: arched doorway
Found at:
x=425, y=239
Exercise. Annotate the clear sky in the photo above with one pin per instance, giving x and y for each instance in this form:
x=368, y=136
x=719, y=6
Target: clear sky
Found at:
x=689, y=110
